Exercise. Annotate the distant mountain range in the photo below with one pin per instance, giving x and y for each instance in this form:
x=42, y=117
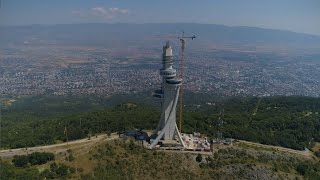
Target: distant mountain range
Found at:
x=104, y=34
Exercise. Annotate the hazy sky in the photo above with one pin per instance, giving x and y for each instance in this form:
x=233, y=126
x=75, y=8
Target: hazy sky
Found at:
x=295, y=15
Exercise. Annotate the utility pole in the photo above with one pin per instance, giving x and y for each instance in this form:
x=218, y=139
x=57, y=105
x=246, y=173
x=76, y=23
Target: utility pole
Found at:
x=66, y=134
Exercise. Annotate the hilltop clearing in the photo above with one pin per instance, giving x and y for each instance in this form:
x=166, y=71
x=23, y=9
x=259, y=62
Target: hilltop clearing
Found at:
x=110, y=158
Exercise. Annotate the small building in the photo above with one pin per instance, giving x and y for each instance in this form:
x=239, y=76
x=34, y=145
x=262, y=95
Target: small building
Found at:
x=138, y=135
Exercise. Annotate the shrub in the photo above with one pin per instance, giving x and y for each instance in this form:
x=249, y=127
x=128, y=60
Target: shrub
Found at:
x=302, y=169
x=72, y=170
x=20, y=161
x=47, y=174
x=53, y=167
x=40, y=158
x=62, y=170
x=80, y=170
x=70, y=157
x=33, y=159
x=199, y=158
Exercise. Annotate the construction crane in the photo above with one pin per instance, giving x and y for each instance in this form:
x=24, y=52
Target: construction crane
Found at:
x=183, y=43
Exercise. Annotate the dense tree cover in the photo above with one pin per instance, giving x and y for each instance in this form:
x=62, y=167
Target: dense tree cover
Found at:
x=57, y=106
x=35, y=158
x=52, y=105
x=39, y=132
x=291, y=122
x=286, y=121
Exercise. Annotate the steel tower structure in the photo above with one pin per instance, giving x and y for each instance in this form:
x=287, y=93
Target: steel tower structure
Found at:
x=167, y=130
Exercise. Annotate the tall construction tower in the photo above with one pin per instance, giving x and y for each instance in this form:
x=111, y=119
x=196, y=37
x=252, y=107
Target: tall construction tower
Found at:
x=167, y=131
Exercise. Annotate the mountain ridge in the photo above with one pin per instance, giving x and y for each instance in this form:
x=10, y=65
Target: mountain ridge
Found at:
x=100, y=33
x=149, y=23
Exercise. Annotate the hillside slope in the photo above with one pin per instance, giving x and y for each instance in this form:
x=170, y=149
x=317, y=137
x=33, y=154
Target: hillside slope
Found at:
x=127, y=159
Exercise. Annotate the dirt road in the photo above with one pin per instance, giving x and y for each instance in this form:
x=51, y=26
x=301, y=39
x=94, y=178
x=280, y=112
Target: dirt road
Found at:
x=57, y=148
x=306, y=152
x=83, y=145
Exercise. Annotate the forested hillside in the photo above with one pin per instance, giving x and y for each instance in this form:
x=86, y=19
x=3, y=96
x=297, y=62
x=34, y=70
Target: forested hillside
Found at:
x=292, y=122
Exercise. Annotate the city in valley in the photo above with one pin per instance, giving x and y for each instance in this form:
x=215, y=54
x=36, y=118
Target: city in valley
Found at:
x=35, y=66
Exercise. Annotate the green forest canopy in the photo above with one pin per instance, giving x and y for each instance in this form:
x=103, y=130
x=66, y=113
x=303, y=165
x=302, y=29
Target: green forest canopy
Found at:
x=291, y=122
